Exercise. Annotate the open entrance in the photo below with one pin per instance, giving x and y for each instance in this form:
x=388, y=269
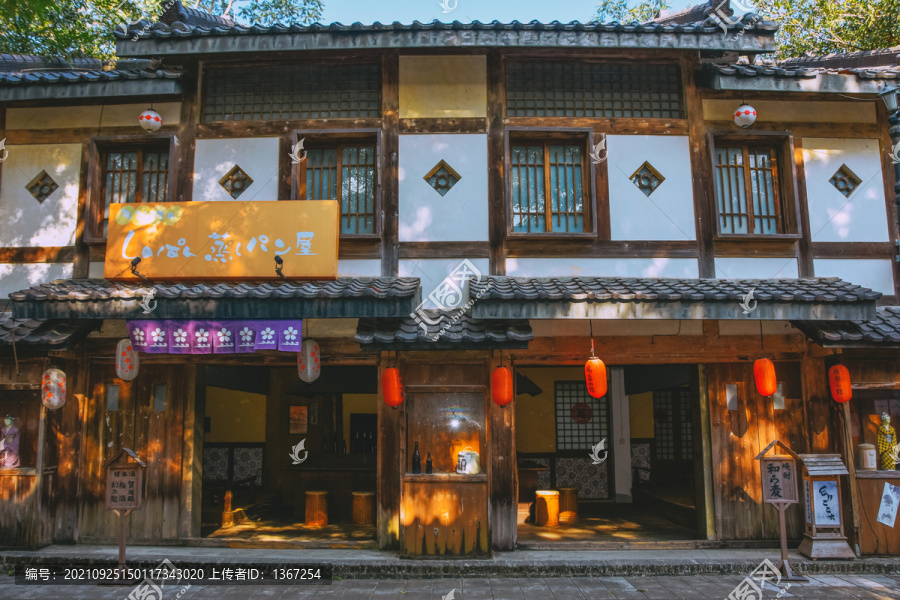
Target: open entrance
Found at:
x=615, y=471
x=286, y=461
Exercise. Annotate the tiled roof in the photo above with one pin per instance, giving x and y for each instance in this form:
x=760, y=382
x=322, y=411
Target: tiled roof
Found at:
x=84, y=76
x=34, y=334
x=881, y=332
x=100, y=298
x=802, y=71
x=442, y=333
x=638, y=298
x=21, y=62
x=884, y=57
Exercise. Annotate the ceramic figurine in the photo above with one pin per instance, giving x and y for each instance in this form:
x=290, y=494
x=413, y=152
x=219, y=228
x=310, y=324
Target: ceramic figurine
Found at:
x=9, y=443
x=887, y=437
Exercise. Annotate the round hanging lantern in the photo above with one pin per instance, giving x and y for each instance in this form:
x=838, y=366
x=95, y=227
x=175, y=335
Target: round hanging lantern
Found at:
x=150, y=120
x=502, y=386
x=839, y=382
x=308, y=366
x=595, y=377
x=764, y=374
x=392, y=387
x=53, y=388
x=127, y=360
x=745, y=115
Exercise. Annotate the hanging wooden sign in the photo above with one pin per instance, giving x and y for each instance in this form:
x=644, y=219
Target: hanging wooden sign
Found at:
x=124, y=481
x=779, y=479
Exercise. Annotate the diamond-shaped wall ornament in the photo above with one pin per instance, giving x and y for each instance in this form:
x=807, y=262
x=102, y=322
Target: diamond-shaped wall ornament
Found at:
x=845, y=181
x=442, y=177
x=41, y=186
x=647, y=179
x=236, y=181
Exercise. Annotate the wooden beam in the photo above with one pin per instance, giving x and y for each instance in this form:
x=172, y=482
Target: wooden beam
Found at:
x=609, y=126
x=497, y=199
x=391, y=450
x=853, y=250
x=503, y=488
x=38, y=254
x=706, y=514
x=801, y=130
x=75, y=135
x=805, y=252
x=445, y=249
x=889, y=176
x=249, y=129
x=451, y=125
x=183, y=188
x=390, y=171
x=599, y=248
x=701, y=166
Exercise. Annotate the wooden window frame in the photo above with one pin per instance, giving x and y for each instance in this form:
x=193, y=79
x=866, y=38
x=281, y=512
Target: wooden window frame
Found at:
x=96, y=182
x=317, y=138
x=585, y=135
x=786, y=189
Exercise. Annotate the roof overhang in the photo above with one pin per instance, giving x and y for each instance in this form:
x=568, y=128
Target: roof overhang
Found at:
x=90, y=90
x=34, y=335
x=820, y=299
x=102, y=299
x=882, y=332
x=442, y=330
x=819, y=83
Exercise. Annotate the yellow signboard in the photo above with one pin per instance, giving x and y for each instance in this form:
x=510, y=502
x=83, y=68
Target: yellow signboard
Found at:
x=224, y=240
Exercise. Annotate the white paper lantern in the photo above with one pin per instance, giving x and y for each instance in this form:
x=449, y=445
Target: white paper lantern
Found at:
x=308, y=366
x=745, y=115
x=127, y=361
x=53, y=389
x=150, y=120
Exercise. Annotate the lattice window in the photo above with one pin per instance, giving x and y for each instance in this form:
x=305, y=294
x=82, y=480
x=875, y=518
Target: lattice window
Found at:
x=686, y=429
x=131, y=175
x=350, y=167
x=845, y=181
x=581, y=421
x=663, y=425
x=556, y=89
x=748, y=198
x=549, y=188
x=42, y=186
x=291, y=92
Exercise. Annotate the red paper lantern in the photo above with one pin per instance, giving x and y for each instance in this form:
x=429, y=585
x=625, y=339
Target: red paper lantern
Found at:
x=595, y=377
x=839, y=381
x=53, y=389
x=764, y=374
x=392, y=387
x=502, y=386
x=127, y=361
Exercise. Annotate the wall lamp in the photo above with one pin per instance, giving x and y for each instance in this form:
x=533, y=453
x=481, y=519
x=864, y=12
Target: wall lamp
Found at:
x=889, y=96
x=134, y=263
x=279, y=264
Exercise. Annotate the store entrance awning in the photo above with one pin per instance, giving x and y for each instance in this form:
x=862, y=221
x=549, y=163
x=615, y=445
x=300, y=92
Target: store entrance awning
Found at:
x=345, y=297
x=814, y=299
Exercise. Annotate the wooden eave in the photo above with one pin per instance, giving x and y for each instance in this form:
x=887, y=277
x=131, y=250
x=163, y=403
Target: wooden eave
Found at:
x=81, y=90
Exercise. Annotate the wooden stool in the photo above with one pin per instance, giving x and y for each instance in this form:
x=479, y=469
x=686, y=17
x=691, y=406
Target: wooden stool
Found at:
x=546, y=508
x=316, y=509
x=364, y=508
x=568, y=504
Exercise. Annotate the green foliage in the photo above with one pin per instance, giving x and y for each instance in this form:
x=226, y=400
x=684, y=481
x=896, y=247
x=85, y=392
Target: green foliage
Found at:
x=623, y=11
x=75, y=28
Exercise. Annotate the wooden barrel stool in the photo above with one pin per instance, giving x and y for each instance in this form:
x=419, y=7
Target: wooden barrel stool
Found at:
x=364, y=508
x=316, y=508
x=568, y=504
x=546, y=508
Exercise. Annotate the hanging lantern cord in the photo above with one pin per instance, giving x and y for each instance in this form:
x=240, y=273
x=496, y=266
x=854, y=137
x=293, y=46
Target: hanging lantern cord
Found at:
x=762, y=340
x=591, y=323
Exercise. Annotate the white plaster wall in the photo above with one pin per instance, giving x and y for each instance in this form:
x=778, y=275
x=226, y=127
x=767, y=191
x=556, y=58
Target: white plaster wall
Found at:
x=359, y=268
x=460, y=215
x=872, y=273
x=432, y=271
x=16, y=277
x=23, y=220
x=116, y=115
x=833, y=217
x=729, y=267
x=602, y=267
x=95, y=270
x=668, y=213
x=258, y=157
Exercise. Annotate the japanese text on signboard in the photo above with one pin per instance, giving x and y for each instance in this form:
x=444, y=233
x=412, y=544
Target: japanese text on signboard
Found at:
x=123, y=488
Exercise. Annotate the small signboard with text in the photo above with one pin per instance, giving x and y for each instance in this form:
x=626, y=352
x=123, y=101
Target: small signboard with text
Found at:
x=779, y=479
x=224, y=240
x=124, y=481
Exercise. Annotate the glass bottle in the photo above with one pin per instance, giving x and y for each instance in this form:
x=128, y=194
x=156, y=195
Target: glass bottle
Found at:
x=416, y=461
x=324, y=445
x=428, y=464
x=334, y=445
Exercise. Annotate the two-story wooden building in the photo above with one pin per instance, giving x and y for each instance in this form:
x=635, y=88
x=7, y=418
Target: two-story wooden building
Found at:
x=555, y=188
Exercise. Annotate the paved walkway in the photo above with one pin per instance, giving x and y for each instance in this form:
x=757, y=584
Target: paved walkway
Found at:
x=694, y=587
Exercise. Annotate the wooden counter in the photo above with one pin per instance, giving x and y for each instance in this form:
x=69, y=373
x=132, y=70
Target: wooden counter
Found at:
x=338, y=474
x=444, y=514
x=875, y=537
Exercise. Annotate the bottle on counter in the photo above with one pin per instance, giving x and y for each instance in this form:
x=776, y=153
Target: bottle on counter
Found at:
x=416, y=461
x=428, y=464
x=356, y=448
x=334, y=445
x=324, y=445
x=343, y=446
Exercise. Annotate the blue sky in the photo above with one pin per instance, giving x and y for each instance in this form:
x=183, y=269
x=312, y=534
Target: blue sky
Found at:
x=406, y=11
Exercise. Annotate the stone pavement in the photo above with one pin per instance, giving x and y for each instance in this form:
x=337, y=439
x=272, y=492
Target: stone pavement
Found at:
x=691, y=587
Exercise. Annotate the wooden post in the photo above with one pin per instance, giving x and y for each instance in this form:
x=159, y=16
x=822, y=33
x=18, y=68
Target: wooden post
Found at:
x=122, y=516
x=851, y=466
x=784, y=565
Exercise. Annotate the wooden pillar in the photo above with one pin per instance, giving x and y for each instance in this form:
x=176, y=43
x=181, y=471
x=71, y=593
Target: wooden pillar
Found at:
x=391, y=439
x=706, y=513
x=620, y=444
x=193, y=388
x=496, y=103
x=504, y=484
x=816, y=401
x=390, y=196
